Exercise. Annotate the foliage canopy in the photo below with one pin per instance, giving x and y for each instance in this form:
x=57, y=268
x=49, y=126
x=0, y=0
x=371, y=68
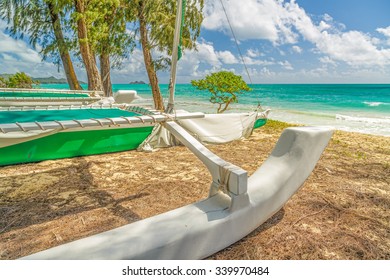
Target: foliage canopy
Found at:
x=62, y=30
x=224, y=87
x=18, y=80
x=3, y=83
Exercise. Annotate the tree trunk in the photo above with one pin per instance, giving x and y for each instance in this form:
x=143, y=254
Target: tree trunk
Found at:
x=153, y=80
x=63, y=50
x=94, y=80
x=224, y=108
x=105, y=73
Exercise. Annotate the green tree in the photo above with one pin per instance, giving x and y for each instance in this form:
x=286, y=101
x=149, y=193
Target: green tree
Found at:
x=43, y=22
x=101, y=30
x=94, y=28
x=84, y=17
x=224, y=87
x=156, y=24
x=3, y=83
x=112, y=41
x=20, y=80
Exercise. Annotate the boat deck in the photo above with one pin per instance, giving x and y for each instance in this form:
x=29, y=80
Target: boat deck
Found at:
x=17, y=94
x=62, y=115
x=23, y=97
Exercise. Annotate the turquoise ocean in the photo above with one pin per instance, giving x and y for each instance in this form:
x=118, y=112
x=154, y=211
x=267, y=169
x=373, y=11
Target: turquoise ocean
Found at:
x=361, y=108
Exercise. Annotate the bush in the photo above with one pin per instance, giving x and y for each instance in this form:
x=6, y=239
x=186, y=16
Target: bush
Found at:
x=3, y=83
x=224, y=87
x=19, y=80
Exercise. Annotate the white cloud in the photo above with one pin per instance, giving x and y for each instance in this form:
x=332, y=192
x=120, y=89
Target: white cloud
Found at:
x=227, y=57
x=18, y=49
x=18, y=56
x=352, y=47
x=297, y=49
x=133, y=64
x=319, y=74
x=327, y=17
x=253, y=53
x=384, y=31
x=190, y=65
x=132, y=69
x=286, y=65
x=250, y=19
x=324, y=26
x=284, y=22
x=327, y=60
x=206, y=53
x=253, y=61
x=267, y=73
x=207, y=60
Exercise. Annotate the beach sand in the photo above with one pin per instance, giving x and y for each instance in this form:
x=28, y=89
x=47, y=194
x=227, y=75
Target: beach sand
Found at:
x=341, y=212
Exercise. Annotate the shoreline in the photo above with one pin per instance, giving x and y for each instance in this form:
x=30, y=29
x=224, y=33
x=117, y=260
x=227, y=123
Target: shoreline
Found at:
x=344, y=129
x=360, y=108
x=341, y=212
x=358, y=114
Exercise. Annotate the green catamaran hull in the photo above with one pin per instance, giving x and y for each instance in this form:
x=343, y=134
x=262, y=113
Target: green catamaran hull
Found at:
x=73, y=144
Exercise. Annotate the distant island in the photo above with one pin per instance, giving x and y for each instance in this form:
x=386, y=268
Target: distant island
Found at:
x=52, y=80
x=45, y=80
x=137, y=83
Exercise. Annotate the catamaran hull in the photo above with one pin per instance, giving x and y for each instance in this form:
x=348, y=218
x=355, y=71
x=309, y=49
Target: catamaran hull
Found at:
x=203, y=228
x=73, y=143
x=96, y=132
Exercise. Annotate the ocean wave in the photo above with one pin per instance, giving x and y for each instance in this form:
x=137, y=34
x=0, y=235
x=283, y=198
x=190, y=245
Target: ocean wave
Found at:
x=375, y=104
x=363, y=119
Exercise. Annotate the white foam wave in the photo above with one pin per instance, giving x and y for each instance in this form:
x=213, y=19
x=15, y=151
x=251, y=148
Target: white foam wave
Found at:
x=375, y=104
x=363, y=119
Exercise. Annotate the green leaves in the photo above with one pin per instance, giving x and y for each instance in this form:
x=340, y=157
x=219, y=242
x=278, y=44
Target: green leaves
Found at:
x=18, y=80
x=224, y=87
x=3, y=83
x=160, y=17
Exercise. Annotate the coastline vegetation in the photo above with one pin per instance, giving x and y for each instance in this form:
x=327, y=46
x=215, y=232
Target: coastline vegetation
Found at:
x=102, y=33
x=18, y=80
x=38, y=80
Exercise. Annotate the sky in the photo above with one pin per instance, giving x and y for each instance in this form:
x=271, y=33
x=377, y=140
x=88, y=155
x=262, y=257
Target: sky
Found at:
x=294, y=41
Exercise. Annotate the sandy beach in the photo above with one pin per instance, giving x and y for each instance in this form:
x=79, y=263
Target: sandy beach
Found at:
x=341, y=212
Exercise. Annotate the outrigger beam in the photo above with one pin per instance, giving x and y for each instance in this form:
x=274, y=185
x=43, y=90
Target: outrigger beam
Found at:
x=226, y=177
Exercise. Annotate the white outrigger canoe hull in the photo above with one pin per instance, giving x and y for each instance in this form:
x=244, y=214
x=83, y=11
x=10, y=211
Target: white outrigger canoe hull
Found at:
x=201, y=229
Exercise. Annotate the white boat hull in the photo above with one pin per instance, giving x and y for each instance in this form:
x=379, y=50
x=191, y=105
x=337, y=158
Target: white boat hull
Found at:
x=198, y=230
